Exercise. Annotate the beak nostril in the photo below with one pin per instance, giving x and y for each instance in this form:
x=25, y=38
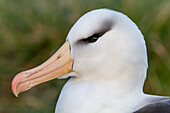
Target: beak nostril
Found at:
x=59, y=56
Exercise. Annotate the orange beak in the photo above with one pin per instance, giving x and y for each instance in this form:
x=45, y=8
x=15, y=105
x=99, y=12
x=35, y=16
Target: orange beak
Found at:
x=56, y=66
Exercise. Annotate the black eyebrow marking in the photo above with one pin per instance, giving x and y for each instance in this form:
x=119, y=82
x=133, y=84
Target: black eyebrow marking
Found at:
x=106, y=26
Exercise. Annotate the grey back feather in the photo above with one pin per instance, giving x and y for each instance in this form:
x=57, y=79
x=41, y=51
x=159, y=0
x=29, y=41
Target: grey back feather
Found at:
x=162, y=106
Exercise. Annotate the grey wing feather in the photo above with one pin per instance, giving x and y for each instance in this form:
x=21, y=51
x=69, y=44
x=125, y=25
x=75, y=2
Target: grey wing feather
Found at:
x=162, y=106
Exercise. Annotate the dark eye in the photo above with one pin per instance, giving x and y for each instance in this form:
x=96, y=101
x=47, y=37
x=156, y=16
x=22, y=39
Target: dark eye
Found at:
x=91, y=39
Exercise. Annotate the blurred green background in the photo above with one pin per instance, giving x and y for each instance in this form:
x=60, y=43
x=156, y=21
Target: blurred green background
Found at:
x=32, y=30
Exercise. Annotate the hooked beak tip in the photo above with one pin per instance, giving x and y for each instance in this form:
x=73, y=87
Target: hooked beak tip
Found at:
x=16, y=80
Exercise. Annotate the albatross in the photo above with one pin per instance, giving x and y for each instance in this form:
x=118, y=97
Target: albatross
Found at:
x=105, y=57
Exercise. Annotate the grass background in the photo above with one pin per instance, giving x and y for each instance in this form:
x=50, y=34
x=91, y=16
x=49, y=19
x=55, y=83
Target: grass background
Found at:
x=32, y=30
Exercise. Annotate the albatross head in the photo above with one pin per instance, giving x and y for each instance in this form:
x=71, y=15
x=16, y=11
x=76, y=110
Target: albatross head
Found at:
x=103, y=45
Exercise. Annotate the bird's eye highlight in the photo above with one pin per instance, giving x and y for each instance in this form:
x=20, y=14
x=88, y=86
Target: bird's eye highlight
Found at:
x=91, y=39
